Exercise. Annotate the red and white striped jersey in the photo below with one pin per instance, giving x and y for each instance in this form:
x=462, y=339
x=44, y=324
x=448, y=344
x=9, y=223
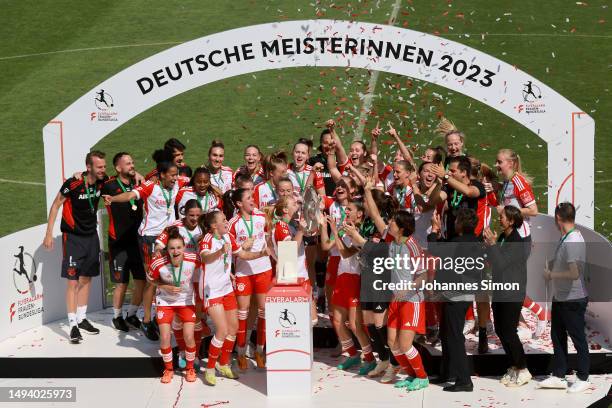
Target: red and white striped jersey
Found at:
x=518, y=192
x=286, y=232
x=182, y=276
x=241, y=230
x=264, y=194
x=386, y=176
x=209, y=201
x=404, y=195
x=158, y=211
x=222, y=179
x=258, y=177
x=299, y=178
x=191, y=237
x=350, y=264
x=217, y=280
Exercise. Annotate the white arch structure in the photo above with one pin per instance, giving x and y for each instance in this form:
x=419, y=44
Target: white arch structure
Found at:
x=568, y=132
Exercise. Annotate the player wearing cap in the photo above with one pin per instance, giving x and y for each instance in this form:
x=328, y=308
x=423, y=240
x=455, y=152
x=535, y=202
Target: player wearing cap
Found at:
x=81, y=261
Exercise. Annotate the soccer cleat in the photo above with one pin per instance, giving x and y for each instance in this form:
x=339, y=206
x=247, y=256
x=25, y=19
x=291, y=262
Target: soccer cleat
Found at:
x=349, y=362
x=227, y=372
x=133, y=321
x=405, y=383
x=120, y=324
x=366, y=367
x=521, y=377
x=260, y=360
x=149, y=331
x=381, y=366
x=167, y=376
x=182, y=362
x=87, y=327
x=418, y=384
x=196, y=364
x=190, y=375
x=209, y=376
x=509, y=376
x=243, y=363
x=468, y=327
x=540, y=328
x=553, y=382
x=390, y=374
x=75, y=335
x=579, y=386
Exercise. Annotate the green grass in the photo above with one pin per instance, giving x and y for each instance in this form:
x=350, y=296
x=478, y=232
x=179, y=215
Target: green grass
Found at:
x=273, y=108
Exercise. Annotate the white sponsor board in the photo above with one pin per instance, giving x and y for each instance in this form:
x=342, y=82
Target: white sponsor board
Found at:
x=32, y=292
x=568, y=132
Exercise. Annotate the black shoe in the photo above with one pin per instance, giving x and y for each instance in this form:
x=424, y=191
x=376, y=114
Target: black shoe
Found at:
x=120, y=324
x=483, y=343
x=440, y=379
x=88, y=328
x=149, y=331
x=321, y=304
x=155, y=326
x=134, y=321
x=459, y=388
x=75, y=335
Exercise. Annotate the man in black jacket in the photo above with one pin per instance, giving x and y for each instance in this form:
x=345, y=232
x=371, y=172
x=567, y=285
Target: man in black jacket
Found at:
x=458, y=286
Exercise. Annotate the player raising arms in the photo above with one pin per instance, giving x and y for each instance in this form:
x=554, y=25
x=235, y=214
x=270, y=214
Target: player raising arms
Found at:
x=174, y=274
x=201, y=189
x=253, y=276
x=222, y=176
x=158, y=204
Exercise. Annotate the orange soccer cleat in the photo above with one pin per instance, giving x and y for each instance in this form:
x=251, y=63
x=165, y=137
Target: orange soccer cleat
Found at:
x=260, y=359
x=167, y=376
x=243, y=363
x=190, y=375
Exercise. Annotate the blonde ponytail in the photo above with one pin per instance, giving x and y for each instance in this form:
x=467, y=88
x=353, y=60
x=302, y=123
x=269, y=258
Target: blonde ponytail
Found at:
x=516, y=164
x=446, y=128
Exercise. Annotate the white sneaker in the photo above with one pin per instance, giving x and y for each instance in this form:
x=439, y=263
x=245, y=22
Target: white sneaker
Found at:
x=468, y=327
x=553, y=383
x=579, y=386
x=509, y=376
x=390, y=374
x=540, y=328
x=521, y=377
x=380, y=368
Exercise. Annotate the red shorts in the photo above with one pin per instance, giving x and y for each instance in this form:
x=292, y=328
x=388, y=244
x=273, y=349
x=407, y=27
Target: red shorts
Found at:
x=346, y=291
x=228, y=301
x=259, y=283
x=407, y=316
x=332, y=271
x=186, y=314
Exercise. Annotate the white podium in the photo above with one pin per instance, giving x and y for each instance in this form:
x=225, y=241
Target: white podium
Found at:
x=288, y=341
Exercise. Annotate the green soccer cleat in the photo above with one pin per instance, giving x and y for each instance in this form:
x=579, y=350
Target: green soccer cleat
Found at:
x=349, y=362
x=405, y=383
x=366, y=367
x=418, y=384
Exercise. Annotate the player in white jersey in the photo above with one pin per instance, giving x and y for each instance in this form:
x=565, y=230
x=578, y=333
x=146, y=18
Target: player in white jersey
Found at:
x=200, y=189
x=217, y=249
x=407, y=308
x=174, y=275
x=221, y=176
x=403, y=179
x=345, y=297
x=517, y=191
x=158, y=205
x=427, y=194
x=252, y=166
x=252, y=276
x=276, y=168
x=300, y=172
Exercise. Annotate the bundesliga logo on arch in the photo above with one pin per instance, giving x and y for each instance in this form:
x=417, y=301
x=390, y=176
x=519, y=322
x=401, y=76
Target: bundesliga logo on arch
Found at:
x=105, y=103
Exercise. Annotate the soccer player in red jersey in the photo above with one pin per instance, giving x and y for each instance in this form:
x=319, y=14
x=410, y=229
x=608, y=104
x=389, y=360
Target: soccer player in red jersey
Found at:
x=174, y=275
x=79, y=199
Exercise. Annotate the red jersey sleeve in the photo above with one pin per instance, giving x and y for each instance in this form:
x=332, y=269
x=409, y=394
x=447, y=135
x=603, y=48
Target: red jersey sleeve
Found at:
x=343, y=166
x=205, y=244
x=151, y=175
x=492, y=199
x=385, y=172
x=183, y=181
x=281, y=232
x=153, y=270
x=328, y=201
x=523, y=191
x=318, y=181
x=163, y=237
x=256, y=195
x=144, y=190
x=235, y=247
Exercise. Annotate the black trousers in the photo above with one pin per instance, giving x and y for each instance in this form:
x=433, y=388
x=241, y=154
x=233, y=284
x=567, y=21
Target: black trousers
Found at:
x=454, y=359
x=568, y=318
x=506, y=316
